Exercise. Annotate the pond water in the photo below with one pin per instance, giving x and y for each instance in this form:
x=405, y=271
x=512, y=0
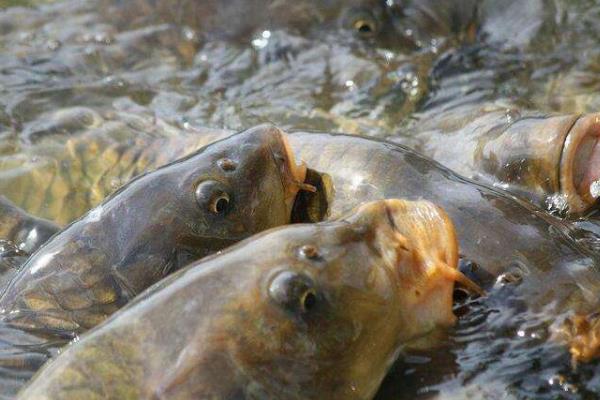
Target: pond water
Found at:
x=68, y=67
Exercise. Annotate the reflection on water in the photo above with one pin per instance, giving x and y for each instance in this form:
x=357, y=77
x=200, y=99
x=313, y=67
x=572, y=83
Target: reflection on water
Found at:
x=126, y=68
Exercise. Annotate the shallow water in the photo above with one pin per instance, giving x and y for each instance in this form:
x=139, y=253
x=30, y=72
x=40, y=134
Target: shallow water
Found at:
x=67, y=67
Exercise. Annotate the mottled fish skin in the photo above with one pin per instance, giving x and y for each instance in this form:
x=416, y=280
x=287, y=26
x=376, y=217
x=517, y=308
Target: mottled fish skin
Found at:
x=307, y=311
x=154, y=225
x=61, y=182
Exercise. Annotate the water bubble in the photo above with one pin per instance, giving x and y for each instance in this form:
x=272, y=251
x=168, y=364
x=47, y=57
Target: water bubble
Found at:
x=262, y=41
x=388, y=55
x=434, y=46
x=103, y=38
x=350, y=85
x=189, y=34
x=509, y=117
x=561, y=381
x=557, y=203
x=98, y=37
x=53, y=44
x=595, y=189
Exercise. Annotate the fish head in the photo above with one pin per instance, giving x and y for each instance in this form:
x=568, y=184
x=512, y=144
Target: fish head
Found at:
x=203, y=203
x=335, y=301
x=241, y=185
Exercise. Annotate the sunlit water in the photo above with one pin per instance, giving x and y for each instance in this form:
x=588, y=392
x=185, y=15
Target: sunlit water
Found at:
x=67, y=66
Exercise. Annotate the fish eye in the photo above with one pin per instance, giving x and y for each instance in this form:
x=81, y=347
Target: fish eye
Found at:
x=213, y=196
x=294, y=292
x=363, y=23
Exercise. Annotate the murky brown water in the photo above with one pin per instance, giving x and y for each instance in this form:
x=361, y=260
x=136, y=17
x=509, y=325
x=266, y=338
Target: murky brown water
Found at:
x=67, y=67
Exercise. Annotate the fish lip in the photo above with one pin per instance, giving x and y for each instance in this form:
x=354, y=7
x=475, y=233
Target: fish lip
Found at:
x=426, y=264
x=419, y=267
x=581, y=153
x=293, y=174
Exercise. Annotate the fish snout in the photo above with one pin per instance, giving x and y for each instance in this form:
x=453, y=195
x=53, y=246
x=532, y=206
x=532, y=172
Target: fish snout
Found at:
x=293, y=173
x=580, y=163
x=418, y=243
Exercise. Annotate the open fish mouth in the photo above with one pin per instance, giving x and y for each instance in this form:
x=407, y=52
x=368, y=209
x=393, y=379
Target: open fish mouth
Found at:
x=433, y=236
x=293, y=173
x=580, y=163
x=418, y=242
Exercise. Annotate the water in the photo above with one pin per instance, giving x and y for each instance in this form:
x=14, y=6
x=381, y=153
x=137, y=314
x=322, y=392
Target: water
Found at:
x=70, y=66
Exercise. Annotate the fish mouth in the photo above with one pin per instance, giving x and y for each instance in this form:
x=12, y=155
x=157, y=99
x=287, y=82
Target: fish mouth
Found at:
x=580, y=163
x=418, y=243
x=432, y=236
x=294, y=174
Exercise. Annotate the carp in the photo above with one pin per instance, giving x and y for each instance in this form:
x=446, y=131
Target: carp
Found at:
x=153, y=226
x=551, y=161
x=315, y=311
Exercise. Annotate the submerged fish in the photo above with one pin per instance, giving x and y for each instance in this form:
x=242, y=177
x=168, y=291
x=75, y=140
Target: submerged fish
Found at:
x=315, y=311
x=61, y=182
x=238, y=20
x=154, y=225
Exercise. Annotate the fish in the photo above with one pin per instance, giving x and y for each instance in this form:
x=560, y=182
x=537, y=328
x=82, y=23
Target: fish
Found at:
x=297, y=312
x=552, y=161
x=357, y=169
x=511, y=24
x=153, y=226
x=62, y=181
x=237, y=20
